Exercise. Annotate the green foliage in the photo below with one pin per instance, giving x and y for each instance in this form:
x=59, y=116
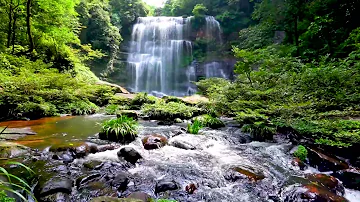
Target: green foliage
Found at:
x=122, y=128
x=5, y=198
x=12, y=184
x=195, y=127
x=171, y=110
x=301, y=153
x=199, y=10
x=260, y=130
x=141, y=99
x=112, y=109
x=209, y=121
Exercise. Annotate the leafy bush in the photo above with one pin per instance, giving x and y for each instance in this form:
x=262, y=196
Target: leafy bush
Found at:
x=121, y=129
x=171, y=110
x=80, y=108
x=301, y=153
x=209, y=121
x=112, y=109
x=195, y=127
x=12, y=184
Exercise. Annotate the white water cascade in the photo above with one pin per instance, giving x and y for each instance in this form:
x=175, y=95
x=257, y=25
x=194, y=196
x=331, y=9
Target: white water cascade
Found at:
x=160, y=54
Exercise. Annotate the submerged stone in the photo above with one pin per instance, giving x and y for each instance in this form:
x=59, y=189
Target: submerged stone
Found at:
x=350, y=178
x=328, y=182
x=165, y=185
x=242, y=172
x=182, y=145
x=312, y=192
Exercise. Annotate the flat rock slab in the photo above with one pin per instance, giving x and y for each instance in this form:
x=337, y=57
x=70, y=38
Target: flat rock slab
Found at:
x=119, y=88
x=15, y=133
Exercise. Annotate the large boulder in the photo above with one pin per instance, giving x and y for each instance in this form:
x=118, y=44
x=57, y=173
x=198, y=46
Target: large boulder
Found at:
x=165, y=185
x=350, y=178
x=328, y=182
x=324, y=162
x=129, y=154
x=56, y=185
x=154, y=141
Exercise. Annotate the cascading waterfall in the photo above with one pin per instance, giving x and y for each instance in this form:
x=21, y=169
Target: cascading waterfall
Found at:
x=214, y=69
x=160, y=54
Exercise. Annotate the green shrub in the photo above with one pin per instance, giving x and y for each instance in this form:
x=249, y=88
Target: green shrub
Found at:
x=171, y=110
x=141, y=99
x=209, y=121
x=112, y=109
x=301, y=153
x=121, y=129
x=80, y=107
x=195, y=127
x=34, y=110
x=168, y=99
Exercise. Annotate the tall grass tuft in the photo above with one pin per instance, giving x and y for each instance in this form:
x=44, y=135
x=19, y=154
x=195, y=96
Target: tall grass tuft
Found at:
x=120, y=129
x=14, y=184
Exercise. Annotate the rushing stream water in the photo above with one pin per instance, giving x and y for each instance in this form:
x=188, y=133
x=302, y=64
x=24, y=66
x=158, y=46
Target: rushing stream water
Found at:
x=209, y=165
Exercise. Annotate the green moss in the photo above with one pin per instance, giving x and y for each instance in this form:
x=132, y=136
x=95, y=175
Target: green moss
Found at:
x=171, y=110
x=301, y=153
x=5, y=198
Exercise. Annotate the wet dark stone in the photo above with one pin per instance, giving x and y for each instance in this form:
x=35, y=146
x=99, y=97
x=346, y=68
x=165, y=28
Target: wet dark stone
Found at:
x=120, y=181
x=102, y=148
x=182, y=145
x=55, y=185
x=328, y=182
x=244, y=172
x=350, y=178
x=129, y=113
x=166, y=123
x=62, y=169
x=86, y=179
x=129, y=154
x=325, y=162
x=55, y=157
x=67, y=158
x=140, y=196
x=82, y=151
x=312, y=192
x=165, y=185
x=154, y=142
x=190, y=188
x=92, y=164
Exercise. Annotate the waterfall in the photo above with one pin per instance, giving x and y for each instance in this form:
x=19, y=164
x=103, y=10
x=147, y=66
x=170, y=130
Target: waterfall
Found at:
x=215, y=69
x=160, y=54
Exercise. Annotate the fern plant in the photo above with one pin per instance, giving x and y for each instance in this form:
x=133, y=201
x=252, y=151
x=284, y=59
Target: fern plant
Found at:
x=195, y=127
x=120, y=129
x=14, y=184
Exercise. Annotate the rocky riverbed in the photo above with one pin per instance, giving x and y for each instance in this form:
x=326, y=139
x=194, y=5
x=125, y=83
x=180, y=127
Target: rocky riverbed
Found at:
x=167, y=162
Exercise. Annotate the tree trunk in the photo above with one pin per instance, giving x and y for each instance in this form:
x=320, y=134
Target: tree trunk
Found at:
x=296, y=33
x=9, y=26
x=28, y=24
x=14, y=32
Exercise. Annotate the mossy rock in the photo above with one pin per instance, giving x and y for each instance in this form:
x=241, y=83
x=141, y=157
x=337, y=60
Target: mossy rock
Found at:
x=113, y=199
x=10, y=149
x=111, y=136
x=129, y=113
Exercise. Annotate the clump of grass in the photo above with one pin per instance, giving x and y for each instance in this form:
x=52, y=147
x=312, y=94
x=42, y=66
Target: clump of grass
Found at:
x=195, y=127
x=210, y=121
x=121, y=129
x=171, y=110
x=301, y=153
x=12, y=184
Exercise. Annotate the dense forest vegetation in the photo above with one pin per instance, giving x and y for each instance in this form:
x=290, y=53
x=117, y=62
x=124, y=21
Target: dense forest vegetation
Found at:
x=46, y=48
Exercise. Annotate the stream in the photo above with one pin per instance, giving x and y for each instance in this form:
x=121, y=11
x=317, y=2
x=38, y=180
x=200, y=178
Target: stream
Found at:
x=224, y=165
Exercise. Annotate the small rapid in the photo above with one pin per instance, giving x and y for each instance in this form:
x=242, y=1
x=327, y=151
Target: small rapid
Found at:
x=210, y=166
